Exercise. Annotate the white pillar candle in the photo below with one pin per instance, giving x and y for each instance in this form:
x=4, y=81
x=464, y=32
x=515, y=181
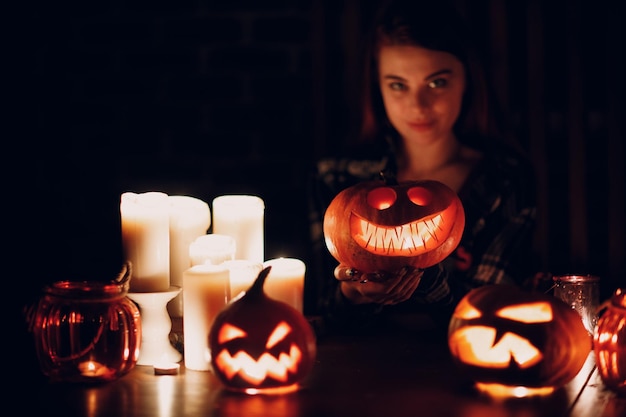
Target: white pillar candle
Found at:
x=206, y=291
x=145, y=239
x=242, y=217
x=243, y=273
x=285, y=281
x=189, y=218
x=212, y=248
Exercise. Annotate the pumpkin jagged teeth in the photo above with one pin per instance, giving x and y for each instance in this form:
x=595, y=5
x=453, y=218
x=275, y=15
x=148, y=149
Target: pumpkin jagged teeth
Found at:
x=409, y=239
x=256, y=371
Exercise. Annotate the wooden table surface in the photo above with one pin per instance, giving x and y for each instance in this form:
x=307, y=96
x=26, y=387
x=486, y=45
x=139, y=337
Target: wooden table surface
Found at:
x=401, y=368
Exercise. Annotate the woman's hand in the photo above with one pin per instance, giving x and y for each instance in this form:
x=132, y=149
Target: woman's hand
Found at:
x=379, y=287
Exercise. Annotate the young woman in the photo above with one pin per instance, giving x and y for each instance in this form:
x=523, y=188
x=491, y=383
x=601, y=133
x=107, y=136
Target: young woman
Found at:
x=427, y=115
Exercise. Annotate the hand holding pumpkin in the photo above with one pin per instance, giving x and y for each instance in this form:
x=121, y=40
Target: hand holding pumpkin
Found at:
x=380, y=287
x=383, y=234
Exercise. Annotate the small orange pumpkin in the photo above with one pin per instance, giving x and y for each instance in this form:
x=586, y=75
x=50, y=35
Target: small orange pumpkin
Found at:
x=261, y=345
x=382, y=226
x=501, y=334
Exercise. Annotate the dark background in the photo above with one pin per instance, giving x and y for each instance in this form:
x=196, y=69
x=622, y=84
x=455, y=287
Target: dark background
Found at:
x=205, y=98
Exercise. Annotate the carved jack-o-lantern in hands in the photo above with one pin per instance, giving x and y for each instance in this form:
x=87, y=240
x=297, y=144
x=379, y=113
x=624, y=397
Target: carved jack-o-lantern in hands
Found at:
x=375, y=226
x=505, y=336
x=261, y=345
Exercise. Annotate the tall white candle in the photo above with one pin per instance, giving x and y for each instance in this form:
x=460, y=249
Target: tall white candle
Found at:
x=189, y=218
x=243, y=273
x=285, y=281
x=145, y=239
x=212, y=248
x=242, y=217
x=206, y=291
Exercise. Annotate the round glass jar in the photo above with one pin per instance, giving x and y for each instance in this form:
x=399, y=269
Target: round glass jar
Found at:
x=610, y=343
x=86, y=331
x=582, y=293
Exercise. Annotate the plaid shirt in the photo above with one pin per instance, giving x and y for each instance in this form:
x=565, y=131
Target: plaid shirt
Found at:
x=500, y=209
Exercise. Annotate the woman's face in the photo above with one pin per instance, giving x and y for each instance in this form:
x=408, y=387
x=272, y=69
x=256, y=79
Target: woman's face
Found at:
x=422, y=90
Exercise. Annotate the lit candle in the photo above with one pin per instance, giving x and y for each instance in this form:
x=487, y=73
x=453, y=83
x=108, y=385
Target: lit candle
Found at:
x=285, y=281
x=93, y=369
x=212, y=248
x=242, y=217
x=242, y=275
x=189, y=219
x=145, y=239
x=206, y=291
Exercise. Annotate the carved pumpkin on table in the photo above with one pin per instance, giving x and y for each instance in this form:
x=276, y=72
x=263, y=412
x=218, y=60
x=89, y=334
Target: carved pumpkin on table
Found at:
x=505, y=338
x=383, y=226
x=261, y=345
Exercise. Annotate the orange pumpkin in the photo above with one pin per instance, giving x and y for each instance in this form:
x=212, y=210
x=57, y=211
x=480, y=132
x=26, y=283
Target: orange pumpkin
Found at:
x=377, y=226
x=261, y=345
x=501, y=334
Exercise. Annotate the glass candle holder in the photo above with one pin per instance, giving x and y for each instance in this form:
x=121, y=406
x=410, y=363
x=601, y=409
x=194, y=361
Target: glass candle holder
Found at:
x=609, y=342
x=86, y=331
x=582, y=293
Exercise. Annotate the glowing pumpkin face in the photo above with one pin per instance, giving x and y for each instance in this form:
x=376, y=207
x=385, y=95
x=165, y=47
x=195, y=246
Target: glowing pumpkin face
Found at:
x=375, y=226
x=503, y=335
x=261, y=345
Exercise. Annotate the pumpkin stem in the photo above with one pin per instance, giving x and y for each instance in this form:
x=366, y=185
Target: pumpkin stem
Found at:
x=388, y=177
x=257, y=286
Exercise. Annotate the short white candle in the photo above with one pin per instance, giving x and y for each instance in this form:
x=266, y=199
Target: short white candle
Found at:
x=166, y=368
x=212, y=248
x=285, y=281
x=243, y=273
x=189, y=218
x=145, y=239
x=242, y=217
x=206, y=291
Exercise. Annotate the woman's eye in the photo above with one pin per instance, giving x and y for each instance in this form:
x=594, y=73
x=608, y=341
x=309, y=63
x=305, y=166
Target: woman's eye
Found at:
x=396, y=86
x=438, y=83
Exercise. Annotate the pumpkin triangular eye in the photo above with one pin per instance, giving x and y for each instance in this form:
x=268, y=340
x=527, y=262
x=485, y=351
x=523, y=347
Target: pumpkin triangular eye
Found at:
x=540, y=312
x=281, y=330
x=466, y=311
x=229, y=332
